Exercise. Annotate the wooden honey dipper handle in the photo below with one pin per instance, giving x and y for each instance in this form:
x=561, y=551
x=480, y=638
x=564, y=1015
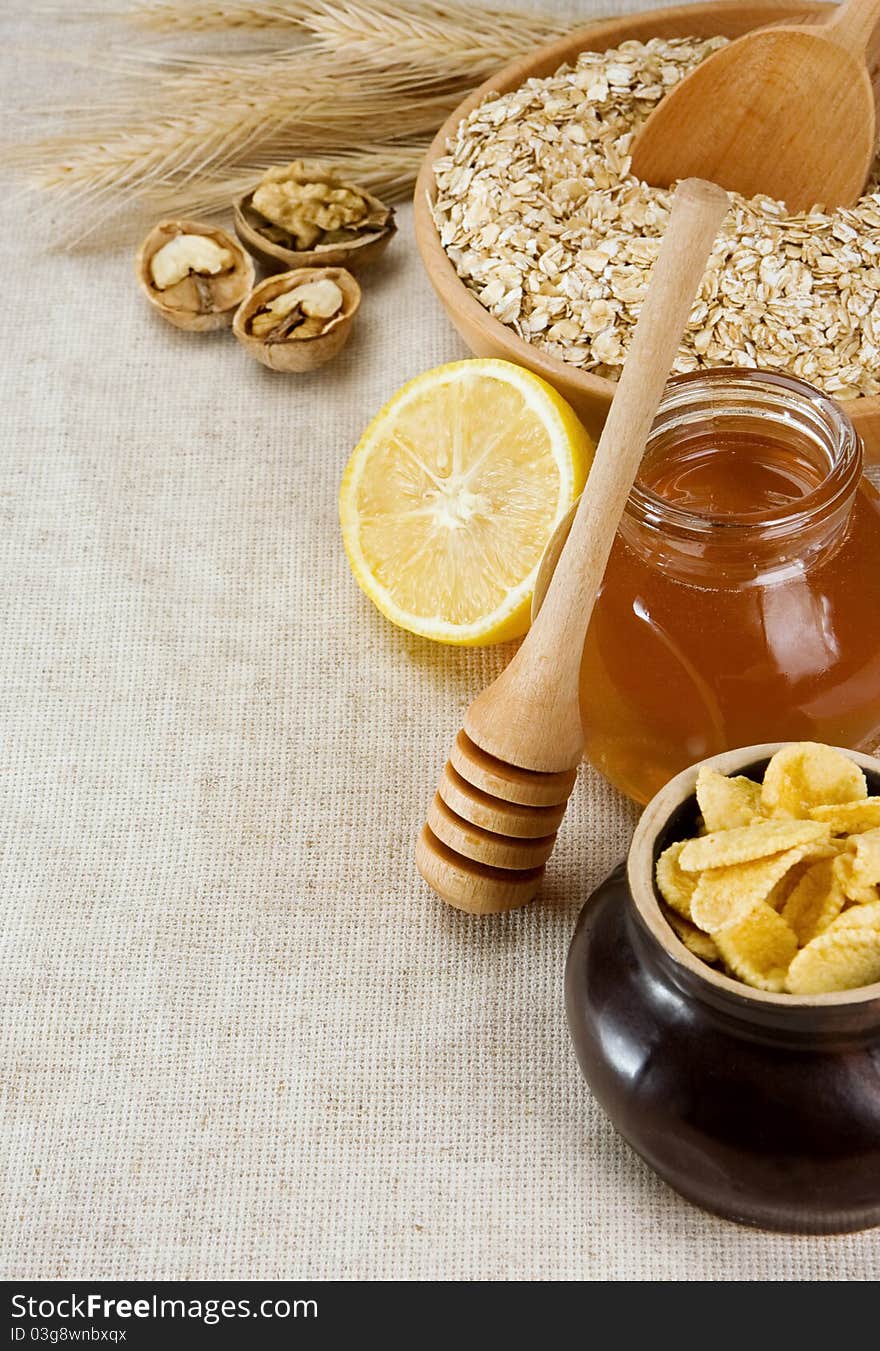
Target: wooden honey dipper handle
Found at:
x=502, y=795
x=530, y=715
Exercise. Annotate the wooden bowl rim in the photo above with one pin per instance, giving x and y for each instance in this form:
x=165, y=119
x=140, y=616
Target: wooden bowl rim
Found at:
x=640, y=879
x=596, y=37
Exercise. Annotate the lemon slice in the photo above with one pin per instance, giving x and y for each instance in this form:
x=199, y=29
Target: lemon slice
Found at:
x=452, y=493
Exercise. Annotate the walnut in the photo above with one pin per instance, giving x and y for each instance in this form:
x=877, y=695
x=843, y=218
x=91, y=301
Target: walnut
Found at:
x=194, y=275
x=300, y=217
x=310, y=213
x=187, y=255
x=301, y=313
x=298, y=320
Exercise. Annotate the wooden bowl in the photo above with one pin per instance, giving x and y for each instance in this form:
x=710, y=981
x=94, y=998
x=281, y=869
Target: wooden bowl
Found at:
x=486, y=336
x=759, y=1107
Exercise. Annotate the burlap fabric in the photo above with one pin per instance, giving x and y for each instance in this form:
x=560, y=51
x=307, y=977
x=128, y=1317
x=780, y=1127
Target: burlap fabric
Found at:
x=240, y=1039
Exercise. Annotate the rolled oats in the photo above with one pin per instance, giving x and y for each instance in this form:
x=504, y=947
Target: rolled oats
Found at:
x=543, y=221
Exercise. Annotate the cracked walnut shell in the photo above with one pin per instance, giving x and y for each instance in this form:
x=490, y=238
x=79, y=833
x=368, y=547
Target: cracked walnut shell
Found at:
x=297, y=320
x=298, y=217
x=195, y=275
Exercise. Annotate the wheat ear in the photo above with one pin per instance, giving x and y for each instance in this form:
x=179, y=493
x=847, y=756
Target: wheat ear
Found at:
x=189, y=131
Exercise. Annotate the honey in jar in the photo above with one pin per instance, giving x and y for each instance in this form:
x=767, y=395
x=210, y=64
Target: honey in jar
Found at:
x=741, y=602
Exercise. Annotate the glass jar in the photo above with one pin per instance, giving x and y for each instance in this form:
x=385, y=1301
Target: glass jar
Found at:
x=741, y=602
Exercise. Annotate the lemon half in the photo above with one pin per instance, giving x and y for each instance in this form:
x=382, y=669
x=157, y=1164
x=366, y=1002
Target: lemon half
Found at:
x=452, y=493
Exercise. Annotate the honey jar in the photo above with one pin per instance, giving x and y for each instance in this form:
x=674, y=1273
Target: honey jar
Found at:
x=741, y=602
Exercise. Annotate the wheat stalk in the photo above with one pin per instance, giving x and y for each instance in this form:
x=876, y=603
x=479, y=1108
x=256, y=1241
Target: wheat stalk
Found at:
x=181, y=132
x=179, y=16
x=206, y=15
x=387, y=171
x=429, y=35
x=209, y=15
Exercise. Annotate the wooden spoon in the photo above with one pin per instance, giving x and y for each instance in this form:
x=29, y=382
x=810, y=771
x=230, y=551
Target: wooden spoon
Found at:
x=787, y=111
x=503, y=793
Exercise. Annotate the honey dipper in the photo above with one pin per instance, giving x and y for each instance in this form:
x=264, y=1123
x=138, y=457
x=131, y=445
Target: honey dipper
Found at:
x=493, y=821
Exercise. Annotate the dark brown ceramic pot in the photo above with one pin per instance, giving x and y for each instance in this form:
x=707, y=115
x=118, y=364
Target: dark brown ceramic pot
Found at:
x=764, y=1108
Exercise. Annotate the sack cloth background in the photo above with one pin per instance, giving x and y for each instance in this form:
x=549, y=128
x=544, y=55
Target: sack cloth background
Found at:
x=240, y=1038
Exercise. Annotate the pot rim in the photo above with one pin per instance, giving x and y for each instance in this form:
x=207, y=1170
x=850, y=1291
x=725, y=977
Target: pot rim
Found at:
x=640, y=876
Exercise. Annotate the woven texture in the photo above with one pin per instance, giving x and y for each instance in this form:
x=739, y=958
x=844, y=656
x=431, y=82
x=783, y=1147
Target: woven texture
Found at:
x=240, y=1038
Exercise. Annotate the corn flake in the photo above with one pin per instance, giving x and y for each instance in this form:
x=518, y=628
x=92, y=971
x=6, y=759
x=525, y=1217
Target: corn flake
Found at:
x=724, y=896
x=759, y=949
x=805, y=775
x=676, y=887
x=866, y=851
x=700, y=944
x=815, y=901
x=824, y=848
x=726, y=803
x=786, y=885
x=854, y=889
x=842, y=958
x=849, y=818
x=860, y=917
x=744, y=843
x=813, y=853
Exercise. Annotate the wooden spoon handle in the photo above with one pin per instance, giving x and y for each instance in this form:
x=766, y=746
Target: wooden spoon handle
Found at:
x=698, y=209
x=854, y=24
